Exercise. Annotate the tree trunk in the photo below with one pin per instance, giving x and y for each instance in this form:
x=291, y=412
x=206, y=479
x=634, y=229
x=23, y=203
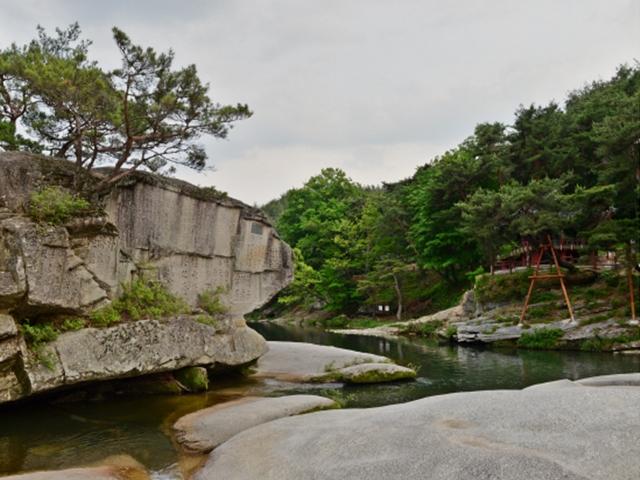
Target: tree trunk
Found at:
x=398, y=296
x=630, y=262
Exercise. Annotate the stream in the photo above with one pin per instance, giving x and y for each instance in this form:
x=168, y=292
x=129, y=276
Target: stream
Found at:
x=47, y=434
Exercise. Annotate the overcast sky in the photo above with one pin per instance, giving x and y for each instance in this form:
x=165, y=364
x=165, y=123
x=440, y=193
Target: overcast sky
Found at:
x=375, y=87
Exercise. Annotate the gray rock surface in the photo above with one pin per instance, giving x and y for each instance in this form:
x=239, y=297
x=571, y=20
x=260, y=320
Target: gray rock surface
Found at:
x=138, y=348
x=204, y=430
x=297, y=361
x=8, y=327
x=188, y=238
x=554, y=433
x=118, y=467
x=192, y=241
x=374, y=373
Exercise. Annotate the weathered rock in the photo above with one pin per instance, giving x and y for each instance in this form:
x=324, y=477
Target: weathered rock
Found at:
x=213, y=244
x=570, y=433
x=57, y=279
x=139, y=348
x=8, y=327
x=120, y=467
x=192, y=240
x=296, y=361
x=374, y=373
x=619, y=380
x=204, y=430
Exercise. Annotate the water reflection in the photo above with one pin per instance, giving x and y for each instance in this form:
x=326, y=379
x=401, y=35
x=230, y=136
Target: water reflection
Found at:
x=49, y=435
x=445, y=369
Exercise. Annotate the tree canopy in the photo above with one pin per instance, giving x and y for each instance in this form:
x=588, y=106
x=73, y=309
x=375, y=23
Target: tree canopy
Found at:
x=570, y=170
x=146, y=114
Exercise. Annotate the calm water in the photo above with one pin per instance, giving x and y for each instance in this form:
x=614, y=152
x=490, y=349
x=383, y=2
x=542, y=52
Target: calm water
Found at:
x=49, y=435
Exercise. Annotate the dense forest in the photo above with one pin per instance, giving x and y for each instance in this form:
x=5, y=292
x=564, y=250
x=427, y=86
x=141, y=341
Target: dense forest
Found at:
x=570, y=171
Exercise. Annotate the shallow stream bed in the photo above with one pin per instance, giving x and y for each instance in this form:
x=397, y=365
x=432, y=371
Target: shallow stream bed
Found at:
x=51, y=435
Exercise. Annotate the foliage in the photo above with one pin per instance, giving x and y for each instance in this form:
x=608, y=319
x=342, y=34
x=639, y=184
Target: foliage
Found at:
x=140, y=299
x=73, y=324
x=303, y=291
x=540, y=338
x=210, y=302
x=55, y=205
x=207, y=320
x=37, y=334
x=145, y=114
x=560, y=170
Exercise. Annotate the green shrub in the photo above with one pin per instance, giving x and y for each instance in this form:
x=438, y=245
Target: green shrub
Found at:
x=503, y=287
x=451, y=332
x=340, y=321
x=611, y=278
x=209, y=301
x=140, y=299
x=541, y=338
x=38, y=333
x=427, y=329
x=55, y=205
x=73, y=323
x=105, y=316
x=207, y=320
x=144, y=298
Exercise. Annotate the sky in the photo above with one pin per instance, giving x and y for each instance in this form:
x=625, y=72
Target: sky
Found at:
x=374, y=87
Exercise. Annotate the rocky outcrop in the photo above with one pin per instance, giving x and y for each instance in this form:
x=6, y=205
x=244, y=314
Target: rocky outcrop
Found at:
x=119, y=467
x=574, y=432
x=192, y=240
x=307, y=362
x=204, y=430
x=126, y=350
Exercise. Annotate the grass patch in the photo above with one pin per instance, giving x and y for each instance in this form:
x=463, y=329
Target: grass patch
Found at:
x=210, y=302
x=71, y=324
x=428, y=329
x=56, y=205
x=207, y=320
x=603, y=344
x=541, y=339
x=140, y=299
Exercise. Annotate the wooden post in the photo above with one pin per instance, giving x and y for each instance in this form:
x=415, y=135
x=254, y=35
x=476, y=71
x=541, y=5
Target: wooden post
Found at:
x=559, y=275
x=533, y=281
x=632, y=300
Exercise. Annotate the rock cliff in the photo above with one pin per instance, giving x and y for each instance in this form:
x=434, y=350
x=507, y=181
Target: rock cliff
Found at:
x=190, y=239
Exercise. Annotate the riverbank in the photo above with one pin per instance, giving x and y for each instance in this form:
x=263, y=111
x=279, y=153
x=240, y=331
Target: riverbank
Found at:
x=48, y=434
x=571, y=430
x=490, y=315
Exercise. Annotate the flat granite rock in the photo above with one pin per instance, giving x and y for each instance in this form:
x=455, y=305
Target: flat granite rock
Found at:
x=204, y=430
x=119, y=467
x=301, y=362
x=375, y=373
x=543, y=434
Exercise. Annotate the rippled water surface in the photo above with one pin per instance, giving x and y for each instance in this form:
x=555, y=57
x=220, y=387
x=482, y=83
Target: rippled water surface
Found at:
x=47, y=434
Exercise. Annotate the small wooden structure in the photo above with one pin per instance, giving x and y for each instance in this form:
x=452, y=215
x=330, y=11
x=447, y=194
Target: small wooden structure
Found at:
x=537, y=276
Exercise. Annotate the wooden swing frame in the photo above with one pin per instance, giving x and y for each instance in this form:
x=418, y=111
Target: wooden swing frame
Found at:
x=537, y=276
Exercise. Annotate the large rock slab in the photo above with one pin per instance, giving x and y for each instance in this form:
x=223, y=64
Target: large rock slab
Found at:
x=214, y=243
x=137, y=348
x=374, y=373
x=204, y=430
x=120, y=467
x=301, y=362
x=554, y=433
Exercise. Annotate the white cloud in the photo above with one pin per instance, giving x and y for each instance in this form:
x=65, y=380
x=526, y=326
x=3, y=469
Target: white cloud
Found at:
x=372, y=86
